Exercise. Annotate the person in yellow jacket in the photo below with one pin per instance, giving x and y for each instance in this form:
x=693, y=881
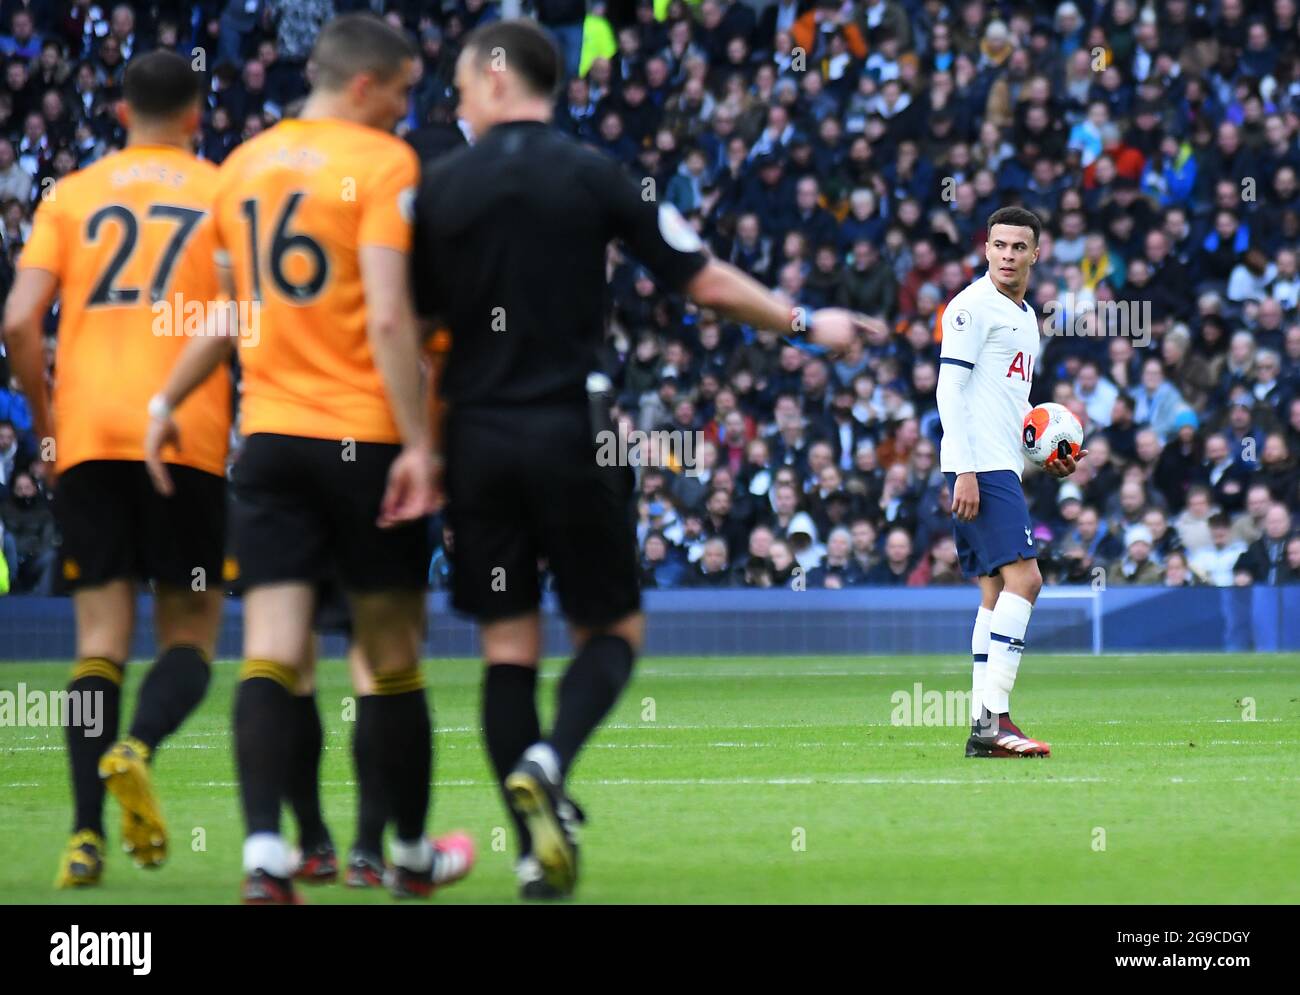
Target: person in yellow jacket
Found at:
x=598, y=41
x=661, y=8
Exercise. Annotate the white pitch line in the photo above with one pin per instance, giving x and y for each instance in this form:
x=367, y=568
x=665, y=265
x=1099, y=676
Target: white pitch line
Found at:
x=625, y=726
x=865, y=743
x=890, y=725
x=714, y=781
x=935, y=742
x=793, y=781
x=929, y=671
x=723, y=781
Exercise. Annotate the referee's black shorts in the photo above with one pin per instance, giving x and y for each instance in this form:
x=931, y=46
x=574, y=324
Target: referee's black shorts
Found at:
x=524, y=489
x=305, y=510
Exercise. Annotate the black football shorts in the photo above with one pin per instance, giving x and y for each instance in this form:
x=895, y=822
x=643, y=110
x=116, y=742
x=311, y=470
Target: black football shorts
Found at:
x=525, y=491
x=306, y=509
x=115, y=526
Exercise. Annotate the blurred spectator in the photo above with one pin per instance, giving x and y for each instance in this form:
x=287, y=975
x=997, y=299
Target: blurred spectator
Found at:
x=1250, y=526
x=711, y=568
x=863, y=546
x=838, y=569
x=802, y=539
x=28, y=537
x=1181, y=461
x=894, y=569
x=1157, y=401
x=754, y=569
x=1164, y=540
x=939, y=566
x=1177, y=571
x=13, y=457
x=440, y=563
x=1137, y=566
x=1265, y=558
x=1193, y=524
x=1289, y=573
x=1217, y=561
x=783, y=564
x=1094, y=536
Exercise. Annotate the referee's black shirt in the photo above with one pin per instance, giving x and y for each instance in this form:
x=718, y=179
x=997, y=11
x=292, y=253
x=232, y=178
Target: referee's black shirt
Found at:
x=510, y=238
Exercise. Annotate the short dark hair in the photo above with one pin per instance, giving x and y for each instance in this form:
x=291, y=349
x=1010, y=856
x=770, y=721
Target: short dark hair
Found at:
x=526, y=49
x=358, y=43
x=161, y=84
x=1219, y=520
x=1018, y=217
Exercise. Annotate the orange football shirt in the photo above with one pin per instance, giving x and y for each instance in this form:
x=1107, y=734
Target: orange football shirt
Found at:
x=130, y=239
x=293, y=207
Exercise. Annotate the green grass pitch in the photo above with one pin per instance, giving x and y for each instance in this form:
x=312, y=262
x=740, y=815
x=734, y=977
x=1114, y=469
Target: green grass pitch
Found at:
x=784, y=780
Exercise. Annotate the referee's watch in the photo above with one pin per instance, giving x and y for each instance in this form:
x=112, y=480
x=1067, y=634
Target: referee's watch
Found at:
x=159, y=408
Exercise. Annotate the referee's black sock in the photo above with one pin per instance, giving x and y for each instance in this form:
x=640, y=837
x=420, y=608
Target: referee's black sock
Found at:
x=510, y=726
x=404, y=745
x=588, y=690
x=371, y=811
x=102, y=678
x=263, y=741
x=173, y=688
x=304, y=773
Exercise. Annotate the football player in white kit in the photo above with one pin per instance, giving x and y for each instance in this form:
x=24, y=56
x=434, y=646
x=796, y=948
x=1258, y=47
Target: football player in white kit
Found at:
x=986, y=368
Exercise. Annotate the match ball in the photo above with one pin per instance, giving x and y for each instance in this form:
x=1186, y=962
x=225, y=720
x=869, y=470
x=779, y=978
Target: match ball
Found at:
x=1050, y=432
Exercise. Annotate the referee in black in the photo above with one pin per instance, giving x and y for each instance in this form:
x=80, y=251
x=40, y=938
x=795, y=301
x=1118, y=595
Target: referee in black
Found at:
x=510, y=242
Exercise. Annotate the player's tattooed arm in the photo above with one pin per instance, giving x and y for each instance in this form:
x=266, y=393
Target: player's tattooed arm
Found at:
x=28, y=303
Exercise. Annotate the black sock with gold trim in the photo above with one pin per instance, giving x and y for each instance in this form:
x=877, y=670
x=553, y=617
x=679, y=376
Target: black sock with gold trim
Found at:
x=304, y=773
x=404, y=745
x=263, y=740
x=97, y=683
x=173, y=688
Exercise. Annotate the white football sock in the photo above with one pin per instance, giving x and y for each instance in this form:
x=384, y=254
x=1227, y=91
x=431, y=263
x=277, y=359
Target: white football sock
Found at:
x=416, y=855
x=543, y=754
x=979, y=650
x=1006, y=642
x=267, y=852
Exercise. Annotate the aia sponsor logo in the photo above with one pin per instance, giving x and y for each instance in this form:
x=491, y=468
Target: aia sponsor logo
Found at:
x=1021, y=368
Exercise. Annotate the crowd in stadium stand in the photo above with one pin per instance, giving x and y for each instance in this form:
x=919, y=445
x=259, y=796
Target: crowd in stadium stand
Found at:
x=847, y=153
